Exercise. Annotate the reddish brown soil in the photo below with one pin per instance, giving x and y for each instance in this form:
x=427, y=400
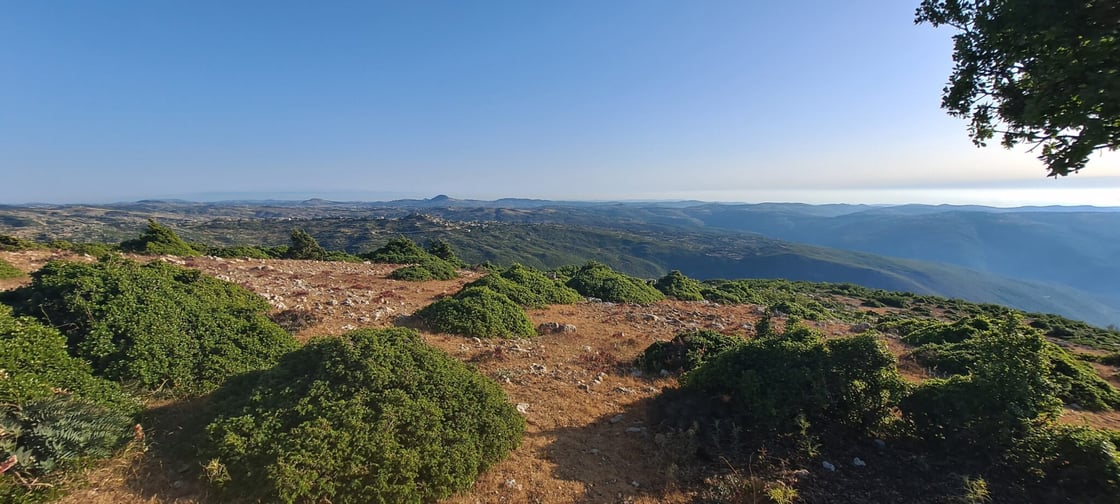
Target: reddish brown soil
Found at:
x=588, y=436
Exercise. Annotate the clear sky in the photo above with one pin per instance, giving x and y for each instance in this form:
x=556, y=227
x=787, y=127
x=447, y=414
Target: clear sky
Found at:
x=816, y=101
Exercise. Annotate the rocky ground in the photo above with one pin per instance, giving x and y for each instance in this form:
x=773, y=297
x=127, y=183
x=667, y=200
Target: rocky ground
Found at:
x=587, y=409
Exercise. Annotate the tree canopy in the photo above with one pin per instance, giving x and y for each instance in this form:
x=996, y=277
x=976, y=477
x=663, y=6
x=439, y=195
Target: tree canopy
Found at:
x=1043, y=73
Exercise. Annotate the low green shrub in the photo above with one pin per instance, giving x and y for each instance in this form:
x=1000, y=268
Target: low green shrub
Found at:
x=158, y=239
x=597, y=280
x=927, y=332
x=768, y=383
x=370, y=416
x=9, y=271
x=1008, y=388
x=528, y=287
x=1077, y=463
x=35, y=365
x=424, y=266
x=412, y=273
x=957, y=349
x=678, y=286
x=429, y=268
x=11, y=243
x=686, y=351
x=479, y=312
x=399, y=250
x=53, y=412
x=157, y=324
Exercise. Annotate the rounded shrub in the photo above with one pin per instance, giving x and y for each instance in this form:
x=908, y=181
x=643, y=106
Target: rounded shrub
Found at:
x=958, y=348
x=53, y=412
x=370, y=416
x=528, y=287
x=158, y=240
x=678, y=286
x=1080, y=463
x=479, y=312
x=686, y=351
x=770, y=383
x=34, y=364
x=411, y=273
x=156, y=324
x=1007, y=389
x=597, y=280
x=399, y=250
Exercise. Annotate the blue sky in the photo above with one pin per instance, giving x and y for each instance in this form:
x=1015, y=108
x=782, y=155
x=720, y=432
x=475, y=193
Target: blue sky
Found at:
x=813, y=101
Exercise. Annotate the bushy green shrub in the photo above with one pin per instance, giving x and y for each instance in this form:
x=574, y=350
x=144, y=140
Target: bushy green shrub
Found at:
x=957, y=349
x=808, y=310
x=412, y=273
x=1008, y=388
x=443, y=250
x=93, y=249
x=597, y=280
x=304, y=246
x=424, y=266
x=726, y=291
x=53, y=411
x=528, y=287
x=399, y=250
x=34, y=364
x=9, y=271
x=156, y=324
x=926, y=332
x=370, y=416
x=1079, y=463
x=770, y=382
x=14, y=243
x=158, y=240
x=686, y=351
x=678, y=286
x=479, y=312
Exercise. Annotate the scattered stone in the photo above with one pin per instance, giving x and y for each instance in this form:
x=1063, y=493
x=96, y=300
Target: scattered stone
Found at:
x=594, y=451
x=649, y=317
x=880, y=444
x=476, y=340
x=511, y=483
x=522, y=408
x=586, y=348
x=665, y=372
x=617, y=418
x=624, y=390
x=536, y=368
x=636, y=484
x=584, y=387
x=636, y=373
x=801, y=473
x=635, y=430
x=828, y=466
x=858, y=462
x=861, y=327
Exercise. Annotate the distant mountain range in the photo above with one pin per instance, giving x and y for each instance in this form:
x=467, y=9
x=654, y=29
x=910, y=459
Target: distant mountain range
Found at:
x=1048, y=259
